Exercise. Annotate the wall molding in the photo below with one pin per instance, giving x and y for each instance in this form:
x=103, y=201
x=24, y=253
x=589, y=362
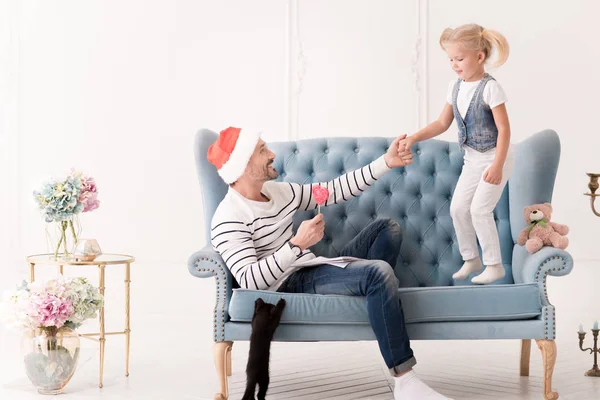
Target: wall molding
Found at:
x=288, y=69
x=296, y=67
x=420, y=63
x=10, y=229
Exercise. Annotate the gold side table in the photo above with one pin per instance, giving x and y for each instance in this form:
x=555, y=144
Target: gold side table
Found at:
x=101, y=262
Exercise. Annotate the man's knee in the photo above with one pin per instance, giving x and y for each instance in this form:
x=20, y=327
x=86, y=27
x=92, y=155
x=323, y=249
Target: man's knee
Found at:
x=391, y=229
x=389, y=224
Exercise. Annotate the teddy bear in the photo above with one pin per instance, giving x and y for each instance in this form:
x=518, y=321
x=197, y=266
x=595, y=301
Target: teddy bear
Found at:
x=541, y=231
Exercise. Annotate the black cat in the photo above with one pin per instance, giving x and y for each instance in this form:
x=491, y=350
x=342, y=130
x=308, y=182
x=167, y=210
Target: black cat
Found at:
x=264, y=322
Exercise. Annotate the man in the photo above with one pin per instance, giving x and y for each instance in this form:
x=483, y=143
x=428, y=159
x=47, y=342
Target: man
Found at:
x=252, y=231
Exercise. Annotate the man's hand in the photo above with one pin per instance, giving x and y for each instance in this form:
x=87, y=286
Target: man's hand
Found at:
x=310, y=232
x=397, y=157
x=493, y=174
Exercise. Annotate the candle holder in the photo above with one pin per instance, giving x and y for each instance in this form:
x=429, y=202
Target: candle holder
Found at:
x=593, y=186
x=595, y=371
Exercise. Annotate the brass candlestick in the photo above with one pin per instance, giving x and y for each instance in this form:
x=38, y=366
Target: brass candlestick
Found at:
x=595, y=371
x=593, y=186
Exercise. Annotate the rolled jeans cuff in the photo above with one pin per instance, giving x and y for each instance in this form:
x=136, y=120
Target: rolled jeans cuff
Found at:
x=405, y=366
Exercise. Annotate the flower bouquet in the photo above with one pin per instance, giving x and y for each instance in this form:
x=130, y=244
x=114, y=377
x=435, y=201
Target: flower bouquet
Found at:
x=49, y=313
x=61, y=201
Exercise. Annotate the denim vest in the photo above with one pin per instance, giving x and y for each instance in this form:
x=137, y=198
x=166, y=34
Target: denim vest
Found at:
x=478, y=129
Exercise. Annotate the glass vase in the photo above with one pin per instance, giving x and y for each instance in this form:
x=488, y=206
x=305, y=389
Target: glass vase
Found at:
x=62, y=238
x=50, y=355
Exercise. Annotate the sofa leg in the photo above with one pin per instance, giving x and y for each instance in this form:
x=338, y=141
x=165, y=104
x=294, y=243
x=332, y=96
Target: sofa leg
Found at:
x=222, y=354
x=525, y=356
x=548, y=349
x=228, y=359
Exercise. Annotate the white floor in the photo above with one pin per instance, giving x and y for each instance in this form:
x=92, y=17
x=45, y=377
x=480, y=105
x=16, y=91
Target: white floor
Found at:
x=171, y=354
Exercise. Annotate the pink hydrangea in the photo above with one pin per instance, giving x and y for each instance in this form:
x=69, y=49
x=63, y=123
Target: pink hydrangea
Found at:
x=50, y=310
x=88, y=195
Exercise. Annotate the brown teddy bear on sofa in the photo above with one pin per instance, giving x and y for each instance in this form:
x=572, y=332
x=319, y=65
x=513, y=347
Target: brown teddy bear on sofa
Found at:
x=541, y=231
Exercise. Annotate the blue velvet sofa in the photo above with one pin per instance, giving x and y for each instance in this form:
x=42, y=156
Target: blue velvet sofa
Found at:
x=418, y=197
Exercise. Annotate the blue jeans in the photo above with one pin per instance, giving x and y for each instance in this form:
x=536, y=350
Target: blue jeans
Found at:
x=378, y=244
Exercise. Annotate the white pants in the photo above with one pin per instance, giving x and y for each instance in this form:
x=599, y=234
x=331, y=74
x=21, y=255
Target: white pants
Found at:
x=473, y=205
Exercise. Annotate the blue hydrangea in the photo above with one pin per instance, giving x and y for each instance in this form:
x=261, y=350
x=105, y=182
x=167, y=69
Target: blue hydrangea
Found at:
x=59, y=200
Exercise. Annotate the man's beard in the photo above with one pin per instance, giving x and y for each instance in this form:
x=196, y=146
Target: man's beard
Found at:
x=270, y=174
x=264, y=174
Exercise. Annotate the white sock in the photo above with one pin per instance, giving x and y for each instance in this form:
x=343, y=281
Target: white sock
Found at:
x=492, y=273
x=468, y=268
x=410, y=387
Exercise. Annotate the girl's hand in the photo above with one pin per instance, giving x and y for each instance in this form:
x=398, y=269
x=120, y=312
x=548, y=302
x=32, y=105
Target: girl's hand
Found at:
x=493, y=174
x=406, y=144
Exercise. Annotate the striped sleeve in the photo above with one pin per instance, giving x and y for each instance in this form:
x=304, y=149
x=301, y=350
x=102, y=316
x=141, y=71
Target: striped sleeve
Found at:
x=233, y=241
x=345, y=186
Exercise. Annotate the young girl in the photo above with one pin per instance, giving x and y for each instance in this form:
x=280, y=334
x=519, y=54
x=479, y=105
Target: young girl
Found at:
x=476, y=101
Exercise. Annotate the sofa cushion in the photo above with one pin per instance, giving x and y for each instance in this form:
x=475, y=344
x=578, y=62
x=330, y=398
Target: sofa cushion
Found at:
x=426, y=304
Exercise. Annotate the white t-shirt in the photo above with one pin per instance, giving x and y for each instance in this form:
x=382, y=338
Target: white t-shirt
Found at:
x=493, y=94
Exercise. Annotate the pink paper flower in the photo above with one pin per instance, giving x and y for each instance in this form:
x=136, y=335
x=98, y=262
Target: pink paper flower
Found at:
x=50, y=310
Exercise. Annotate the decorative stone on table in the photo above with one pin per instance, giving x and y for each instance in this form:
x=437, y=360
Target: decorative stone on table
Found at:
x=87, y=250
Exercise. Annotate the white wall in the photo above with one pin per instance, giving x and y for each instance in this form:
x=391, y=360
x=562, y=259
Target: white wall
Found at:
x=119, y=88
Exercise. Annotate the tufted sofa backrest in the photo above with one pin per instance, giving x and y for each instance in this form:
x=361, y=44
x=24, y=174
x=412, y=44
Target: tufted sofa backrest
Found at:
x=417, y=197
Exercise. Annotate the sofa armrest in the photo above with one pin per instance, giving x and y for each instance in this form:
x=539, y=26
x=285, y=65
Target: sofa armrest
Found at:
x=537, y=266
x=207, y=263
x=533, y=177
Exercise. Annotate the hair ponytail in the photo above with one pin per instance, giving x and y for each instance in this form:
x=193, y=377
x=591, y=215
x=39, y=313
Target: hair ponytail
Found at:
x=498, y=41
x=475, y=37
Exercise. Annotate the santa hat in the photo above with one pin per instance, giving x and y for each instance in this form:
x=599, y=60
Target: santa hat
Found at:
x=232, y=151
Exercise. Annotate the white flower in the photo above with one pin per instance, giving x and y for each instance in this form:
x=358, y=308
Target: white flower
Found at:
x=15, y=309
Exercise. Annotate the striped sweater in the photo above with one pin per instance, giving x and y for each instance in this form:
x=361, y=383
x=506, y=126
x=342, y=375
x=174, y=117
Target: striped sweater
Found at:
x=252, y=236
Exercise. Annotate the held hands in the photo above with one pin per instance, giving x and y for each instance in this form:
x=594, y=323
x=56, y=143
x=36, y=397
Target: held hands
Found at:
x=493, y=175
x=398, y=155
x=310, y=232
x=406, y=143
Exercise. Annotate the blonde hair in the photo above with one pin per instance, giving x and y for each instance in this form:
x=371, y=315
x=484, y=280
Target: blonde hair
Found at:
x=477, y=38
